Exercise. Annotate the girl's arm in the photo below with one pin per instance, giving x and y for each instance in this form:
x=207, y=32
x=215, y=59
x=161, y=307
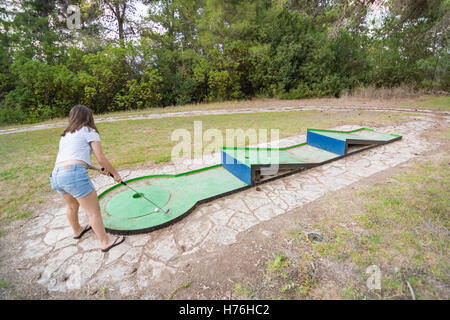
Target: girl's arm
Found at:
x=101, y=158
x=94, y=168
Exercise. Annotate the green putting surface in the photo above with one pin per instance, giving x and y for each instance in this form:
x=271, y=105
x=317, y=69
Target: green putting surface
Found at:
x=310, y=154
x=130, y=205
x=123, y=213
x=372, y=135
x=262, y=156
x=364, y=134
x=301, y=154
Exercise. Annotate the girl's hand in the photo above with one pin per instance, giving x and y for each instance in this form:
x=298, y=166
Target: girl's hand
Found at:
x=117, y=178
x=104, y=171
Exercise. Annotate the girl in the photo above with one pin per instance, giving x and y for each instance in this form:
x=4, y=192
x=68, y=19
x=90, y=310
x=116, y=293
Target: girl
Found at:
x=70, y=177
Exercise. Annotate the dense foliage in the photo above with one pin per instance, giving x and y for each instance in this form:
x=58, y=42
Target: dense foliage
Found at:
x=190, y=51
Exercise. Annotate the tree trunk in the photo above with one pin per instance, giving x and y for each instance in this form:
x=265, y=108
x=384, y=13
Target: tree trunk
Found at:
x=119, y=16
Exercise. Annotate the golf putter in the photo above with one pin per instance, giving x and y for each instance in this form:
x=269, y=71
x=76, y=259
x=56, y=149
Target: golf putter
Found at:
x=141, y=195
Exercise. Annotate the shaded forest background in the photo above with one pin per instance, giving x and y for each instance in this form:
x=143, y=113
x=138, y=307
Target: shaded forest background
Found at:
x=192, y=51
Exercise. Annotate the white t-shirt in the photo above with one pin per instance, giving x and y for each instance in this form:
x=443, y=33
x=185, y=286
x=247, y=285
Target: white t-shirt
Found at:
x=75, y=146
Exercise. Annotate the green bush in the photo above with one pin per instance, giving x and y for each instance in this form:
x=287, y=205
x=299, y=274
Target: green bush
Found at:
x=141, y=94
x=8, y=115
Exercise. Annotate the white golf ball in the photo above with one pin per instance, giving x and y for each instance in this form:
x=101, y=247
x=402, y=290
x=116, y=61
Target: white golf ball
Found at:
x=156, y=209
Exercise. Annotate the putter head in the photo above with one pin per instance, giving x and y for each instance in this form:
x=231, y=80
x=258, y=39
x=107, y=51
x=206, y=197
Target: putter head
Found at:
x=167, y=211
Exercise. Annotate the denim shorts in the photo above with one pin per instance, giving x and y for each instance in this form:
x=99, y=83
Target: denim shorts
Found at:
x=74, y=181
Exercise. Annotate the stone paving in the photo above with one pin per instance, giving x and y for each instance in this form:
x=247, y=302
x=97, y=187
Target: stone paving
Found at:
x=44, y=252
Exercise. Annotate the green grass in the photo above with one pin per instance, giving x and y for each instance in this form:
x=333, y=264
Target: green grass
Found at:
x=292, y=278
x=431, y=102
x=103, y=292
x=399, y=223
x=4, y=284
x=423, y=102
x=147, y=111
x=243, y=290
x=182, y=286
x=23, y=215
x=277, y=264
x=27, y=158
x=208, y=106
x=351, y=293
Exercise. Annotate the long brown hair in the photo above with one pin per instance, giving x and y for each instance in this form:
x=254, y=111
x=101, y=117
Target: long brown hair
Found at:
x=80, y=116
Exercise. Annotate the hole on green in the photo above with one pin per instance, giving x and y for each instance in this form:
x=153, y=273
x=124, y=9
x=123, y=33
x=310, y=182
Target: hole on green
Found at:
x=137, y=195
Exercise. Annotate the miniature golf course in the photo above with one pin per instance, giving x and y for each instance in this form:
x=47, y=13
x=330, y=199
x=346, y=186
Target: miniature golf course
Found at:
x=127, y=212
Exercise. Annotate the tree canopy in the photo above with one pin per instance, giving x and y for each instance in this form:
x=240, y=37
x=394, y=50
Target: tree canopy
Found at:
x=190, y=51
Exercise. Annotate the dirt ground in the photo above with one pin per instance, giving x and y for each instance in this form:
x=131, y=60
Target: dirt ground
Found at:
x=257, y=265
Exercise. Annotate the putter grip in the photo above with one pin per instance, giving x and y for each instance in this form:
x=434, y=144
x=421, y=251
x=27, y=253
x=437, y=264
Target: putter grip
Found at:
x=111, y=175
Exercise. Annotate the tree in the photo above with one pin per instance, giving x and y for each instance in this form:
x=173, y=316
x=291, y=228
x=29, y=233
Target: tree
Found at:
x=413, y=39
x=119, y=12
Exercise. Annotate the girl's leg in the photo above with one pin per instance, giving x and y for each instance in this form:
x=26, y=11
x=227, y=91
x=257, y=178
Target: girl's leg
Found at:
x=72, y=213
x=92, y=207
